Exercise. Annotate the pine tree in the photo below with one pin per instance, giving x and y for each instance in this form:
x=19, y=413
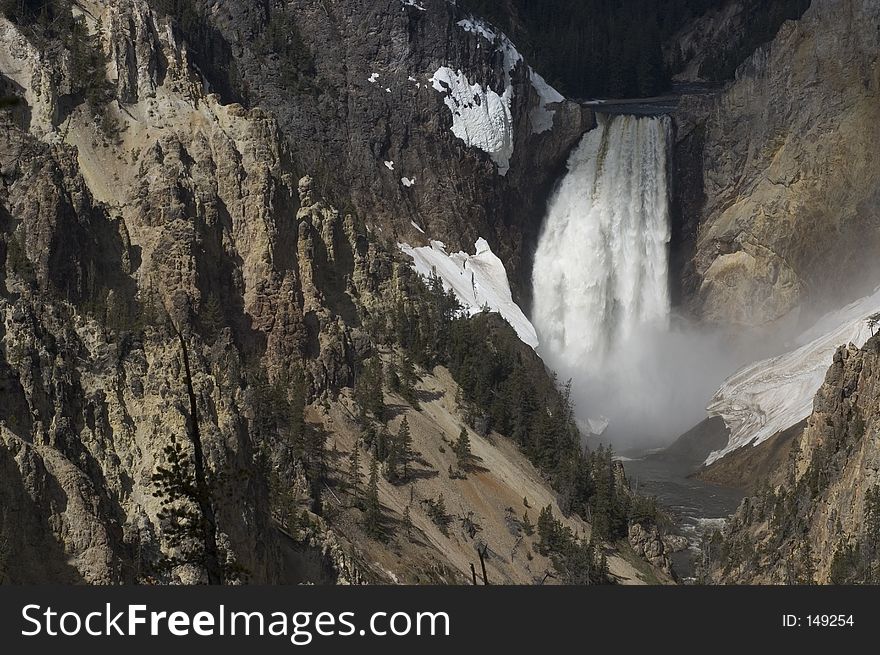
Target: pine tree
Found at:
x=383, y=445
x=403, y=445
x=182, y=522
x=546, y=530
x=394, y=382
x=211, y=316
x=392, y=460
x=527, y=526
x=408, y=379
x=462, y=449
x=437, y=512
x=368, y=391
x=407, y=521
x=372, y=508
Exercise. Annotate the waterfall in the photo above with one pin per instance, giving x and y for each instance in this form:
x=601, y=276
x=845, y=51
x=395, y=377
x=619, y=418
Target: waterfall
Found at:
x=601, y=267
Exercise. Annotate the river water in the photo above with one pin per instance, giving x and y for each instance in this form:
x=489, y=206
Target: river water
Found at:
x=697, y=507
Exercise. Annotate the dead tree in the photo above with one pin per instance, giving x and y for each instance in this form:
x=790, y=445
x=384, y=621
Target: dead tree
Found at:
x=206, y=508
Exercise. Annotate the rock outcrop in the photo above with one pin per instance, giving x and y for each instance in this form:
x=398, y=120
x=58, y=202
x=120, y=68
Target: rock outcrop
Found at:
x=814, y=522
x=777, y=175
x=648, y=543
x=365, y=94
x=166, y=241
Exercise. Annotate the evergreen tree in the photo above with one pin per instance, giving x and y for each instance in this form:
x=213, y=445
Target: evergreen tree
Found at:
x=527, y=526
x=462, y=449
x=394, y=383
x=546, y=530
x=404, y=447
x=383, y=445
x=211, y=316
x=437, y=512
x=408, y=379
x=372, y=507
x=183, y=524
x=407, y=522
x=368, y=391
x=393, y=460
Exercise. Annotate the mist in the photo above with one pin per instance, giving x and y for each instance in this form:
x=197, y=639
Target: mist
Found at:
x=653, y=385
x=600, y=286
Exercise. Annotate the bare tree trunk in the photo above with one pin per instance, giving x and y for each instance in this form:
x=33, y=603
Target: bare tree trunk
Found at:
x=209, y=521
x=482, y=552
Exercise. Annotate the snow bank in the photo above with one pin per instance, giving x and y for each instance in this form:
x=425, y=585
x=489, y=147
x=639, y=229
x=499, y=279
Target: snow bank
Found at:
x=477, y=280
x=541, y=117
x=770, y=396
x=482, y=117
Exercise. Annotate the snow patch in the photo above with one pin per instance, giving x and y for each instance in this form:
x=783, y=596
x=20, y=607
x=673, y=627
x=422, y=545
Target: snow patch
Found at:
x=389, y=165
x=769, y=396
x=478, y=281
x=412, y=3
x=476, y=26
x=407, y=182
x=417, y=226
x=541, y=117
x=373, y=78
x=480, y=118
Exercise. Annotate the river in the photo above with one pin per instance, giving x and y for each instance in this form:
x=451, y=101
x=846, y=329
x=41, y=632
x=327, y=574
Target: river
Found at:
x=696, y=507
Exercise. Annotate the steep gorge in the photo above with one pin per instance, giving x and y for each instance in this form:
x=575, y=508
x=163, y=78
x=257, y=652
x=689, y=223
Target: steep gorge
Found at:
x=233, y=180
x=161, y=237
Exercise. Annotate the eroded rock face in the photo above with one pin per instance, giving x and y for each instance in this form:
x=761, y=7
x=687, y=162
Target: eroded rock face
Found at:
x=117, y=234
x=648, y=543
x=783, y=211
x=818, y=502
x=369, y=100
x=173, y=209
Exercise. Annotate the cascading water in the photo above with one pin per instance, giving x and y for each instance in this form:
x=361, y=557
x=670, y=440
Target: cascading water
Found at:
x=600, y=276
x=601, y=267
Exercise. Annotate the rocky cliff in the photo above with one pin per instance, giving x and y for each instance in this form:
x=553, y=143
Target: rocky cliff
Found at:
x=359, y=95
x=200, y=214
x=817, y=516
x=777, y=176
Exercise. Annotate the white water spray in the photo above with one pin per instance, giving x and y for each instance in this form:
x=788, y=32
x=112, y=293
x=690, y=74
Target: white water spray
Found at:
x=601, y=289
x=601, y=267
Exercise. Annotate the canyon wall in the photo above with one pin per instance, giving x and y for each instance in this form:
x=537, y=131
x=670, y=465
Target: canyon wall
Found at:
x=777, y=177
